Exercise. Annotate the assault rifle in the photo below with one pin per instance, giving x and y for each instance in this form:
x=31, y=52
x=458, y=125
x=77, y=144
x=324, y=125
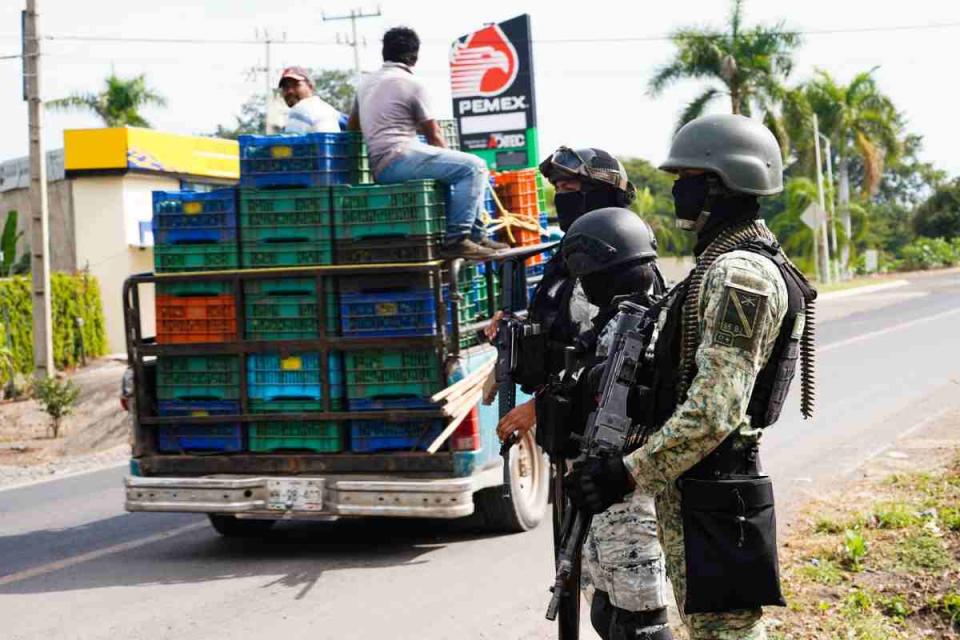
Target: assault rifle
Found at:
x=510, y=329
x=607, y=433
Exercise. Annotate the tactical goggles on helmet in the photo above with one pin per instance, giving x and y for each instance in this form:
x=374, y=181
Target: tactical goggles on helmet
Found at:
x=579, y=164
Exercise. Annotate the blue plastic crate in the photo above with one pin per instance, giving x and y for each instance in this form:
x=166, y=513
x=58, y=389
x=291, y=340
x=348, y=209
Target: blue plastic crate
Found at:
x=535, y=269
x=303, y=160
x=271, y=376
x=373, y=435
x=226, y=437
x=388, y=313
x=187, y=217
x=383, y=404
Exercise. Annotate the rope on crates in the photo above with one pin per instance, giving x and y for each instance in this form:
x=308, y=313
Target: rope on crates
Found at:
x=508, y=220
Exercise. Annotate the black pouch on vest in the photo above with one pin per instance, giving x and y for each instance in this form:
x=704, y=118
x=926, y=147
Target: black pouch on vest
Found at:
x=532, y=367
x=553, y=420
x=730, y=540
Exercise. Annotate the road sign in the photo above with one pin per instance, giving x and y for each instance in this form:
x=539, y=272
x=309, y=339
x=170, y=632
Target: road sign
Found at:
x=814, y=216
x=491, y=79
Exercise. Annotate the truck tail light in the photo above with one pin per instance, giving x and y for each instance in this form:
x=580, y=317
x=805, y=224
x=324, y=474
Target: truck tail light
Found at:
x=467, y=435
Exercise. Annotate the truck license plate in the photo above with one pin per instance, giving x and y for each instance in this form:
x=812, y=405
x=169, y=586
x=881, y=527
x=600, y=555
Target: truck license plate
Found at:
x=292, y=494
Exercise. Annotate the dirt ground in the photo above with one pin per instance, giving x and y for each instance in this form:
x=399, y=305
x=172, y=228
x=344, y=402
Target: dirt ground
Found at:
x=95, y=433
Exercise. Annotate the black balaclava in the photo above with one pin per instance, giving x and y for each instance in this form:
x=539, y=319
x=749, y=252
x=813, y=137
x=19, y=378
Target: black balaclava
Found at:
x=703, y=204
x=601, y=287
x=573, y=204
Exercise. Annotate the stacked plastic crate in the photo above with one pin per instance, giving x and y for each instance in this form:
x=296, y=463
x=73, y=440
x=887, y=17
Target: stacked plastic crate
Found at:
x=196, y=232
x=303, y=201
x=518, y=193
x=394, y=224
x=286, y=220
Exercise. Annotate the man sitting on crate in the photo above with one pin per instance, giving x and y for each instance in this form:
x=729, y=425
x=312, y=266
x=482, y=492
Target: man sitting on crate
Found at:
x=308, y=112
x=391, y=108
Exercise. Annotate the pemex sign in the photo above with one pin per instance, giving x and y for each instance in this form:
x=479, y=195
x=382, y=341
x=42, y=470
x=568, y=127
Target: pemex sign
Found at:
x=491, y=81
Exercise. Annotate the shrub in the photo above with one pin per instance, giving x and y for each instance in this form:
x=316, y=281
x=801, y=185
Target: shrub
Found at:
x=57, y=399
x=73, y=296
x=929, y=253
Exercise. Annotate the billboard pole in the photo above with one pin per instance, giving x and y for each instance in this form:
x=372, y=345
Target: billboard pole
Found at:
x=39, y=225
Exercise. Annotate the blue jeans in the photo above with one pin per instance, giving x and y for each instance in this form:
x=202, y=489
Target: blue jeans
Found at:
x=466, y=175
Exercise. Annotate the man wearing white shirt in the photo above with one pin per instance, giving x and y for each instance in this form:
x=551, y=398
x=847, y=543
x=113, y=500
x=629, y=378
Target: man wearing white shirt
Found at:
x=308, y=113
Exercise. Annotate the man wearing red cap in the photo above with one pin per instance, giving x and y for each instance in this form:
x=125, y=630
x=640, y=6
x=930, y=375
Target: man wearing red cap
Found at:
x=308, y=113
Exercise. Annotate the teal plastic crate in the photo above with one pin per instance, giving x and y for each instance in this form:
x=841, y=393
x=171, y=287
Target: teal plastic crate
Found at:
x=292, y=214
x=274, y=376
x=169, y=258
x=307, y=435
x=203, y=288
x=413, y=208
x=287, y=254
x=198, y=377
x=286, y=309
x=391, y=374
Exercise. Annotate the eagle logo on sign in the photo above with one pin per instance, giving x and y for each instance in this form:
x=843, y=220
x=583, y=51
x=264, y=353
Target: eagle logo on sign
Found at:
x=484, y=63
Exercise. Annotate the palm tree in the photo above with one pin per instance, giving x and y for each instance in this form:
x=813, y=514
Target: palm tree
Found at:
x=748, y=65
x=861, y=123
x=118, y=105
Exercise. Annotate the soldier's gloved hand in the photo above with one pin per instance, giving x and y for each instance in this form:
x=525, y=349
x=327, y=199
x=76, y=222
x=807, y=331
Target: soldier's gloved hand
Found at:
x=596, y=484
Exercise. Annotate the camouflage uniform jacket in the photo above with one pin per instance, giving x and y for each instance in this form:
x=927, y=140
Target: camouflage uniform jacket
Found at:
x=743, y=300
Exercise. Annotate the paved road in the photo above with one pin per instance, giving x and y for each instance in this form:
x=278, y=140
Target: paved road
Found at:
x=74, y=565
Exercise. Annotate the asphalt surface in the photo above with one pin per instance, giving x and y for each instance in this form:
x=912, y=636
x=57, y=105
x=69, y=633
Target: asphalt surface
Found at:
x=73, y=564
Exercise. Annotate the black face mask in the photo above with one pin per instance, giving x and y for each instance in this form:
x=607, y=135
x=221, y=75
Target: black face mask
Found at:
x=573, y=204
x=690, y=199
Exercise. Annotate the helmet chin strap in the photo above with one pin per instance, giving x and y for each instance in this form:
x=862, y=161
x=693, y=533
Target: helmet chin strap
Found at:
x=694, y=225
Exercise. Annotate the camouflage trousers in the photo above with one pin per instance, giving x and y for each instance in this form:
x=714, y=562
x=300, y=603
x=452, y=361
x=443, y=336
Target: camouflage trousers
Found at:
x=743, y=624
x=622, y=556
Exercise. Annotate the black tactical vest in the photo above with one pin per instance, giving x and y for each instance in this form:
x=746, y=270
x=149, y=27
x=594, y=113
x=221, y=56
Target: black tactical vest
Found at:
x=773, y=381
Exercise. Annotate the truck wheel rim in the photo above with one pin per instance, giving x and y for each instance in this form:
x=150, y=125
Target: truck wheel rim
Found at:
x=527, y=471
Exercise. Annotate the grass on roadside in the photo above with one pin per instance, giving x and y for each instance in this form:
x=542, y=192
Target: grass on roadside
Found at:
x=886, y=570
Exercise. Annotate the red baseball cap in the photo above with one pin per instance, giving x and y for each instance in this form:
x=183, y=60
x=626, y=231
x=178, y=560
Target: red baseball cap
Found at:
x=296, y=73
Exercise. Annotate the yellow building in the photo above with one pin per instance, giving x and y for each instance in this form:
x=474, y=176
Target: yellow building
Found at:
x=102, y=203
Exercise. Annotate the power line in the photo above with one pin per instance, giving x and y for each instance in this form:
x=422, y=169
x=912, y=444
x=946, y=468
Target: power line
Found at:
x=613, y=40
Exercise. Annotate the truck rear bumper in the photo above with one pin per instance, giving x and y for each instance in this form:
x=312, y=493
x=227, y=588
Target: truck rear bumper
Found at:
x=340, y=496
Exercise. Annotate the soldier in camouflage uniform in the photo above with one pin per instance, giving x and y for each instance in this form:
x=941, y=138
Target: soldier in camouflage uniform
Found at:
x=724, y=355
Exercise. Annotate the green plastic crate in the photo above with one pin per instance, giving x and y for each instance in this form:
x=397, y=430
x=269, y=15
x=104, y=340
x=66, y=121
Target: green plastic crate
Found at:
x=308, y=435
x=285, y=214
x=201, y=288
x=413, y=208
x=383, y=374
x=541, y=194
x=168, y=258
x=198, y=377
x=286, y=309
x=287, y=254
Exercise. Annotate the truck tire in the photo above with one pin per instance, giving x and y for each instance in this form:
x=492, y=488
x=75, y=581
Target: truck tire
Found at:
x=526, y=505
x=233, y=527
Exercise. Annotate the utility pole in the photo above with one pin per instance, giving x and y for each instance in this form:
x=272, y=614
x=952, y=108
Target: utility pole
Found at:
x=39, y=227
x=833, y=209
x=826, y=242
x=353, y=16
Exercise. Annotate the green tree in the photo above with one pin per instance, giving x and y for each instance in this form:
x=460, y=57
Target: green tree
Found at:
x=861, y=123
x=939, y=216
x=331, y=85
x=749, y=65
x=118, y=104
x=797, y=237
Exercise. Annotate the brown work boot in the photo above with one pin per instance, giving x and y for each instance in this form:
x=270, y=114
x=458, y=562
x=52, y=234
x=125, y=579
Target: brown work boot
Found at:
x=492, y=244
x=465, y=248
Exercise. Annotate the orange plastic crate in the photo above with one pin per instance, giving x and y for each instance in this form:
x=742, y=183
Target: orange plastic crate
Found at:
x=192, y=319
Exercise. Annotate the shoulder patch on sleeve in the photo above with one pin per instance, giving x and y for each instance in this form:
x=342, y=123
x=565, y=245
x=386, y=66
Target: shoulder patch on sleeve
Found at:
x=740, y=313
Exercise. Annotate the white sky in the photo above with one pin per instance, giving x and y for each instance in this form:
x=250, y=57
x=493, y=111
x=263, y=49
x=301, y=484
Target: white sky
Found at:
x=591, y=94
